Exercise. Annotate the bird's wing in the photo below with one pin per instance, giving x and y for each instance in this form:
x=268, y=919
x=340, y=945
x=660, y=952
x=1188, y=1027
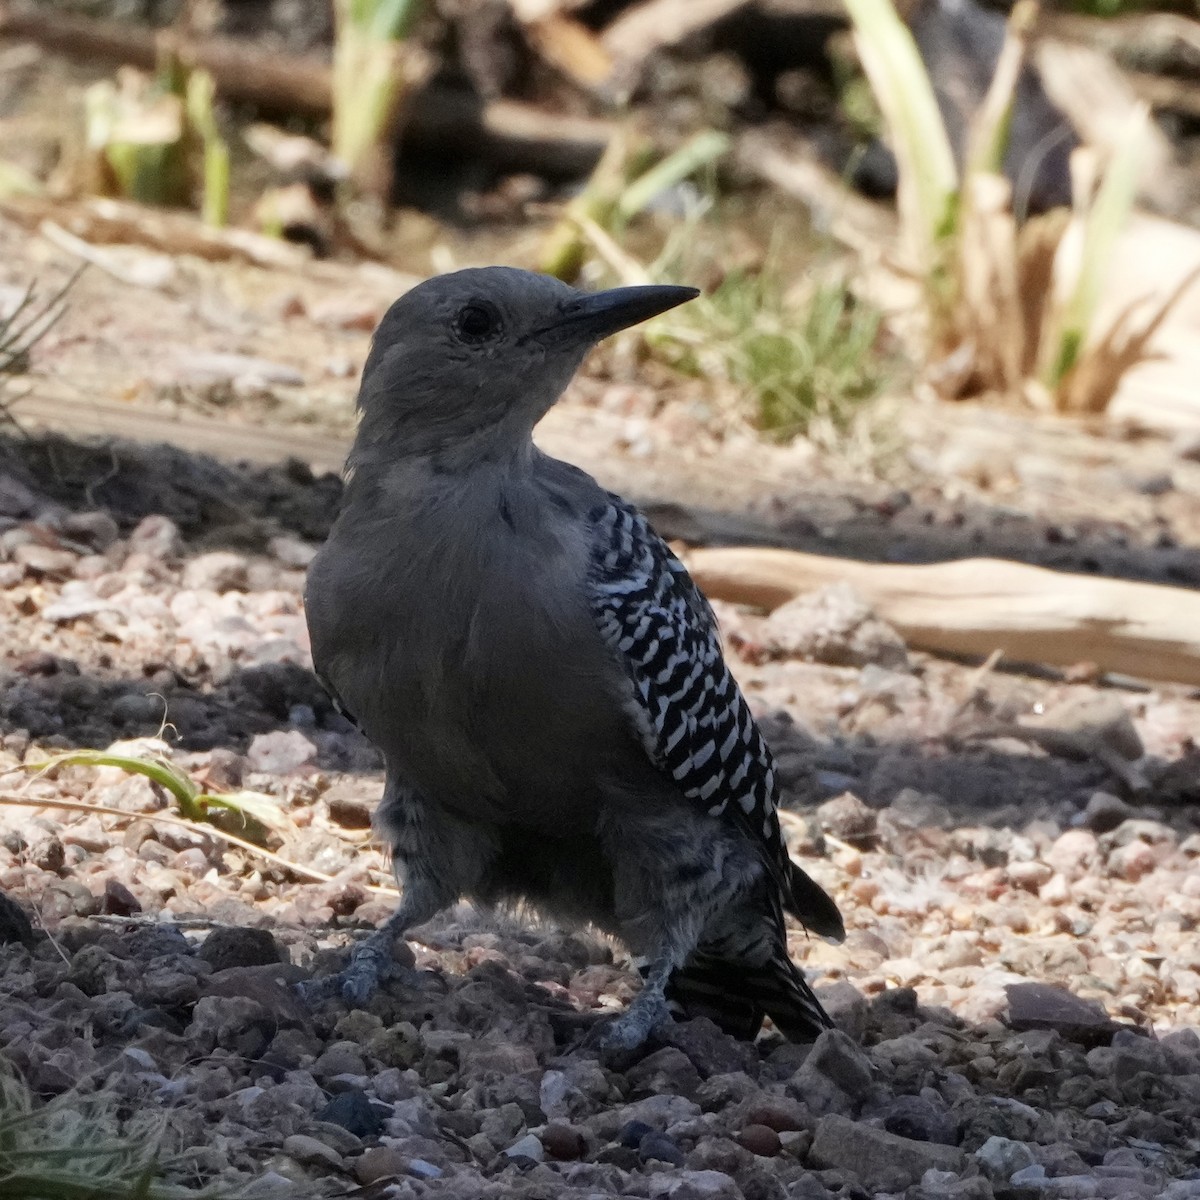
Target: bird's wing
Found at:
x=689, y=713
x=339, y=705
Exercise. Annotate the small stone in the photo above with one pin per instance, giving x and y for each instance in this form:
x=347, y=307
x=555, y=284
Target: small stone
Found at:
x=1074, y=853
x=921, y=1119
x=1133, y=861
x=761, y=1140
x=882, y=1161
x=353, y=1110
x=632, y=1132
x=658, y=1146
x=780, y=1114
x=527, y=1147
x=1032, y=1176
x=1055, y=890
x=220, y=571
x=665, y=1072
x=563, y=1142
x=694, y=1185
x=311, y=1152
x=118, y=900
x=1043, y=1006
x=1104, y=812
x=379, y=1163
x=233, y=946
x=846, y=1006
x=350, y=812
x=838, y=1059
x=1029, y=875
x=424, y=1170
x=833, y=625
x=710, y=1050
x=848, y=818
x=339, y=1058
x=97, y=529
x=157, y=537
x=1001, y=1157
x=45, y=562
x=280, y=752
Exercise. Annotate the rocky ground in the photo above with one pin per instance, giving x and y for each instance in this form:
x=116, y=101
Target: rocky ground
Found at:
x=1017, y=858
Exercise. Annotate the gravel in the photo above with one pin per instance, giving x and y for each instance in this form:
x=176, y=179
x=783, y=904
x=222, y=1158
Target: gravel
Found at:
x=1017, y=1002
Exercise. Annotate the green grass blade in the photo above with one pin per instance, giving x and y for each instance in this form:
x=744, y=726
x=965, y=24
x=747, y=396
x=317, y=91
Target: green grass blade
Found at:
x=696, y=153
x=929, y=179
x=1105, y=219
x=165, y=774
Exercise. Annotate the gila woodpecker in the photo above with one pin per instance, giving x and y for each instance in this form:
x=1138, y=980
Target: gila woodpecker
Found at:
x=542, y=677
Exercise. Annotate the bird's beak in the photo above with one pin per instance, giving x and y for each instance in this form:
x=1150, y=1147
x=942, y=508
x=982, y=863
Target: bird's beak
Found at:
x=595, y=315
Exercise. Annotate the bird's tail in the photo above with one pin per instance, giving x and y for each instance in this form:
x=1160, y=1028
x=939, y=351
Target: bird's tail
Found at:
x=811, y=905
x=737, y=994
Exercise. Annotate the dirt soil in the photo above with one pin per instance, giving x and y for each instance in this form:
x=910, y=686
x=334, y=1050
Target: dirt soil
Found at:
x=1018, y=999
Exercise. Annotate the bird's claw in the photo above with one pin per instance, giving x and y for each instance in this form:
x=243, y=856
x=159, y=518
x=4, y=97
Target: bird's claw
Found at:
x=367, y=971
x=629, y=1032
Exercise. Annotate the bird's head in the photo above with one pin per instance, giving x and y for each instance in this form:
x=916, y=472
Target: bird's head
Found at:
x=472, y=360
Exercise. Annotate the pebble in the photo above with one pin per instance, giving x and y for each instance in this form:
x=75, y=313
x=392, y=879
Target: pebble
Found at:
x=311, y=1151
x=1002, y=1157
x=760, y=1139
x=527, y=1147
x=44, y=561
x=563, y=1142
x=879, y=1159
x=354, y=1111
x=280, y=752
x=655, y=1145
x=1104, y=812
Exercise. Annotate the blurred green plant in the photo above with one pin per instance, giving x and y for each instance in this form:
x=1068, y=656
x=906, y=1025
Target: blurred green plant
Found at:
x=253, y=814
x=28, y=321
x=623, y=184
x=15, y=180
x=200, y=92
x=1010, y=308
x=371, y=74
x=818, y=356
x=154, y=139
x=76, y=1147
x=1109, y=8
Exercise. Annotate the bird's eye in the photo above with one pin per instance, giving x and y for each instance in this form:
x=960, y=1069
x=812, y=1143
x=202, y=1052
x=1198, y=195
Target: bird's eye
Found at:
x=477, y=322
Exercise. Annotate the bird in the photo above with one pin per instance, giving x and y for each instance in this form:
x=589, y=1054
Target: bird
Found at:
x=545, y=683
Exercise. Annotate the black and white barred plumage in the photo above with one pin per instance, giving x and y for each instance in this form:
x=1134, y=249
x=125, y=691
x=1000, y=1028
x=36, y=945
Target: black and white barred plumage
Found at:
x=695, y=723
x=697, y=727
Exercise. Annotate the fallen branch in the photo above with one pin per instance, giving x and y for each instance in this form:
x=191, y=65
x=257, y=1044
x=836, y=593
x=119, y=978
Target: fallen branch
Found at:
x=516, y=136
x=980, y=605
x=100, y=221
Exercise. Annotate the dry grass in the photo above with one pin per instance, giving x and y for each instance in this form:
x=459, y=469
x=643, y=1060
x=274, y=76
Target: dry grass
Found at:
x=1009, y=306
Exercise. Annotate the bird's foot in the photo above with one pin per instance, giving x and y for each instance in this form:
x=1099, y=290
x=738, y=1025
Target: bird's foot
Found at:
x=371, y=964
x=630, y=1031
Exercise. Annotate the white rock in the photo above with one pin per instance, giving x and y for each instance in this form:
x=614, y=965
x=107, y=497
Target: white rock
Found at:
x=527, y=1147
x=1002, y=1157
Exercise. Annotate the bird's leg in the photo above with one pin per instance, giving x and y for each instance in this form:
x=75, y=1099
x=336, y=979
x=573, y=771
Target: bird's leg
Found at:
x=436, y=860
x=647, y=1012
x=672, y=871
x=372, y=961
